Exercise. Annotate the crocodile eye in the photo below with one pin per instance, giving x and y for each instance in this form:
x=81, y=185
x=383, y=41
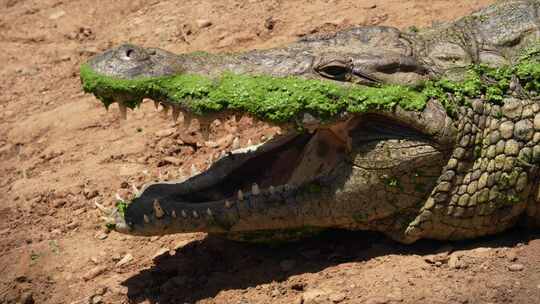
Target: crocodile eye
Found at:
x=337, y=70
x=129, y=53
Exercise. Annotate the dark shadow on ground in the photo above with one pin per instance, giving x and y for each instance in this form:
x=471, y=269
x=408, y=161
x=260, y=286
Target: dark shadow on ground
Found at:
x=202, y=269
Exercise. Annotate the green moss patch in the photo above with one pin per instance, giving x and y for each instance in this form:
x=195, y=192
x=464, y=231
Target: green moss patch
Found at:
x=270, y=98
x=283, y=99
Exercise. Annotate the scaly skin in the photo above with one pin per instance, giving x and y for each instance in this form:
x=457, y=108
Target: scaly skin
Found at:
x=410, y=168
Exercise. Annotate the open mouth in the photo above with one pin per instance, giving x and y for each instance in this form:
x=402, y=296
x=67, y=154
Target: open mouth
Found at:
x=259, y=177
x=265, y=172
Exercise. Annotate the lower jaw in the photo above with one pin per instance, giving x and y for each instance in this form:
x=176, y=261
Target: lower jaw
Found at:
x=279, y=210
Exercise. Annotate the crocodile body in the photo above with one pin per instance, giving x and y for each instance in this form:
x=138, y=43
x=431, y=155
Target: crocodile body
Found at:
x=429, y=134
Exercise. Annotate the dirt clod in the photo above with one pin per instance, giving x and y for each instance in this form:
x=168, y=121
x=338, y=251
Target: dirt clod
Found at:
x=516, y=267
x=94, y=272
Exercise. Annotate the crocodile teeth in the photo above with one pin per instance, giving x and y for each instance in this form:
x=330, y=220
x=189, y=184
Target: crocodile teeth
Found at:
x=204, y=128
x=255, y=189
x=249, y=142
x=102, y=208
x=195, y=214
x=165, y=110
x=235, y=143
x=173, y=214
x=146, y=219
x=158, y=211
x=181, y=176
x=123, y=110
x=228, y=204
x=194, y=170
x=184, y=214
x=271, y=189
x=240, y=195
x=175, y=113
x=118, y=197
x=186, y=120
x=209, y=212
x=135, y=190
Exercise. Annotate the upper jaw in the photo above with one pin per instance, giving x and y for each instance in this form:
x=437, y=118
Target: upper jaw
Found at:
x=129, y=61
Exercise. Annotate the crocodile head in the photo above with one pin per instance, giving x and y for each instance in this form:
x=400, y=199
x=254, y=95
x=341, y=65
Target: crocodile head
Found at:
x=367, y=136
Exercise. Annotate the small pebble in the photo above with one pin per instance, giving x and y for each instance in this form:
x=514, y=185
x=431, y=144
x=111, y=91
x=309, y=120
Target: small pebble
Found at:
x=516, y=267
x=202, y=23
x=101, y=235
x=125, y=260
x=97, y=300
x=94, y=272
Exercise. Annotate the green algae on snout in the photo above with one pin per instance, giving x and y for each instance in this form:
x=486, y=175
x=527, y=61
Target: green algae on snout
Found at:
x=271, y=98
x=284, y=99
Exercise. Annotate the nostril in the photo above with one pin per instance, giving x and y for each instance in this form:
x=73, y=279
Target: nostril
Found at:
x=129, y=52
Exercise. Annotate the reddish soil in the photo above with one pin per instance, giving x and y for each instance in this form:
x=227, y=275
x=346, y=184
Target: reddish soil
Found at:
x=60, y=151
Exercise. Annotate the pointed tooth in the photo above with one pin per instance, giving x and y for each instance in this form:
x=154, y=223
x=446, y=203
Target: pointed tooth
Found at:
x=186, y=120
x=272, y=189
x=255, y=189
x=165, y=109
x=158, y=211
x=146, y=219
x=181, y=176
x=156, y=104
x=195, y=214
x=175, y=113
x=123, y=110
x=194, y=170
x=173, y=214
x=102, y=208
x=249, y=143
x=118, y=197
x=228, y=204
x=240, y=195
x=135, y=190
x=209, y=212
x=236, y=143
x=184, y=214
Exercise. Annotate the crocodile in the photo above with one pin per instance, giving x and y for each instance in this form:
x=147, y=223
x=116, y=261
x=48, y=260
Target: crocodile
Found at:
x=430, y=133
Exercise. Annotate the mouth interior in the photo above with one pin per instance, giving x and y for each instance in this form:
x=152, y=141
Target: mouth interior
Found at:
x=294, y=160
x=268, y=168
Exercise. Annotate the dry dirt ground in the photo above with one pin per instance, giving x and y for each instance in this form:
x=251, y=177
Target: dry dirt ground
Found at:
x=60, y=151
